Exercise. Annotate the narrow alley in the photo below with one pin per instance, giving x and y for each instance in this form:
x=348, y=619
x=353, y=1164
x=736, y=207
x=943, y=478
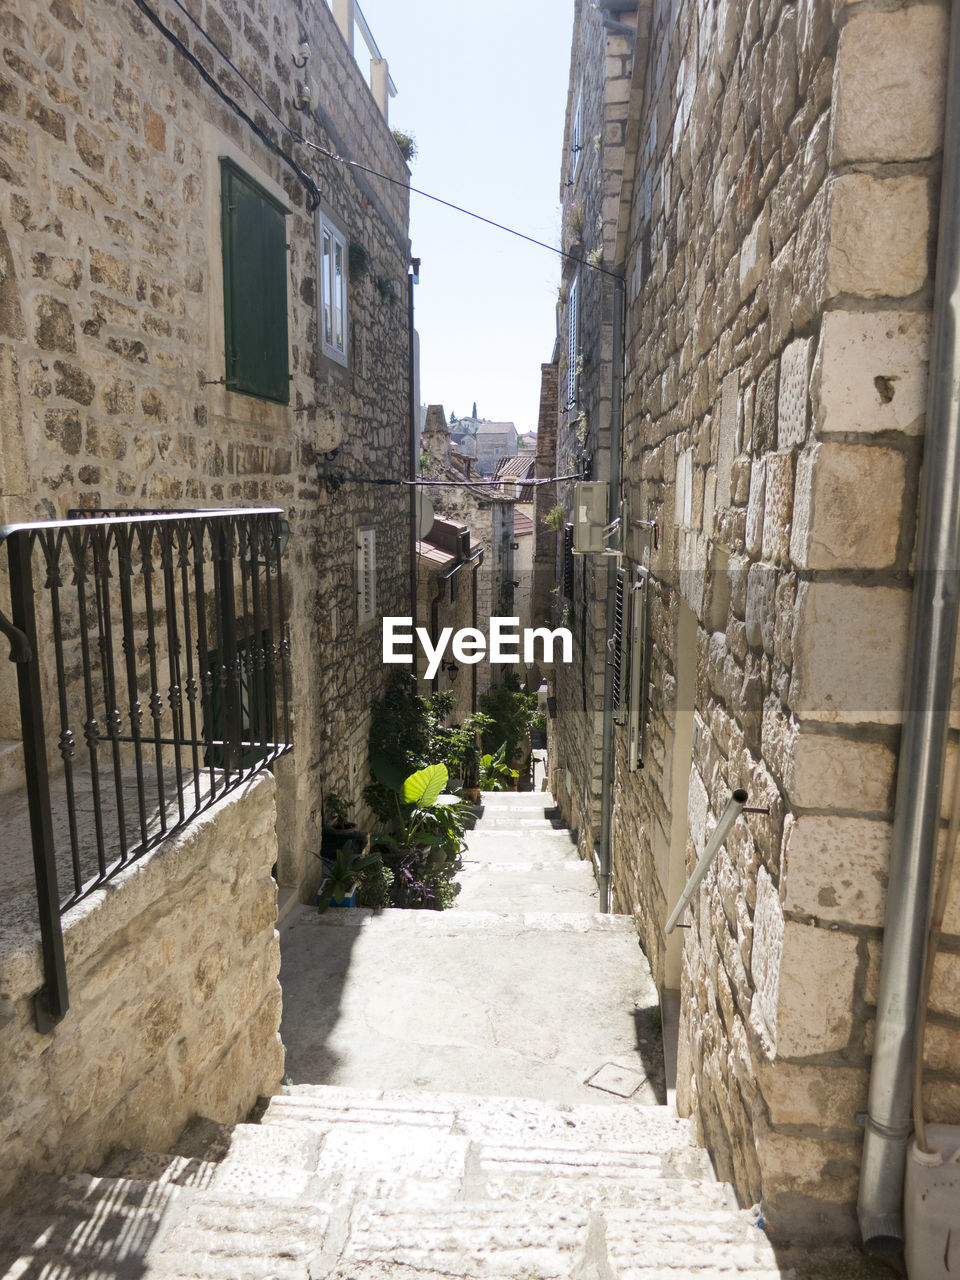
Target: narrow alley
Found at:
x=489, y=1102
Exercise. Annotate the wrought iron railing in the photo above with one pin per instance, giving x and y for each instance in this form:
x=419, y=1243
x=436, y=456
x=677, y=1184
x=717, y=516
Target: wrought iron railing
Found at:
x=153, y=674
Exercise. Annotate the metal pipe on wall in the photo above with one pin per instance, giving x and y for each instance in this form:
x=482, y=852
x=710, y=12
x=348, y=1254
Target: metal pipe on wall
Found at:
x=926, y=708
x=607, y=755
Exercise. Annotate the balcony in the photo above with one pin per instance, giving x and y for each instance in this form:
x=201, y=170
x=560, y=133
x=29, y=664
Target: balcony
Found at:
x=152, y=664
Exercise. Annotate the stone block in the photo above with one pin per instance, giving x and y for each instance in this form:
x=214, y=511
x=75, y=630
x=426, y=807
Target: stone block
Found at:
x=755, y=497
x=878, y=232
x=890, y=78
x=765, y=411
x=726, y=447
x=760, y=613
x=870, y=372
x=818, y=969
x=847, y=506
x=836, y=868
x=777, y=507
x=793, y=398
x=822, y=1097
x=828, y=772
x=945, y=991
x=765, y=959
x=755, y=255
x=849, y=649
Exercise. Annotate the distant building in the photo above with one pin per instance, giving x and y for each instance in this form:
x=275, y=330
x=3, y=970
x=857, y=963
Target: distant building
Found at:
x=495, y=440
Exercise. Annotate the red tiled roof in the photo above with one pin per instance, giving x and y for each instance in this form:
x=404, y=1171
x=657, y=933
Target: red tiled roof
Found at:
x=522, y=524
x=436, y=555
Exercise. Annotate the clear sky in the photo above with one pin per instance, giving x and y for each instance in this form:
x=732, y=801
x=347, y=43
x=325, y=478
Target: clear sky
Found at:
x=483, y=87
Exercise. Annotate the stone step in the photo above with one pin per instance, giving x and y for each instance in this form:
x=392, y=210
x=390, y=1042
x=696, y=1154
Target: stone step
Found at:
x=496, y=1121
x=509, y=1241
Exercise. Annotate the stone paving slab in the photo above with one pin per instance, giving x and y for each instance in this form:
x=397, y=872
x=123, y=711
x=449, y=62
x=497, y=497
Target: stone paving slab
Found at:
x=525, y=1005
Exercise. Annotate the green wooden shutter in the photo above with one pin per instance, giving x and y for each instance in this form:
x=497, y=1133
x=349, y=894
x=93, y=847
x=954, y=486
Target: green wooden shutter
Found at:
x=254, y=234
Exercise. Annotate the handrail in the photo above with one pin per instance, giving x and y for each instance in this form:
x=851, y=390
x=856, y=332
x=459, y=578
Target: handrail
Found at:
x=165, y=685
x=729, y=816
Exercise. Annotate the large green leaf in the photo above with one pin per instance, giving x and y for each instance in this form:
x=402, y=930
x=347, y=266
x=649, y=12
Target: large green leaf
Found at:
x=386, y=771
x=423, y=787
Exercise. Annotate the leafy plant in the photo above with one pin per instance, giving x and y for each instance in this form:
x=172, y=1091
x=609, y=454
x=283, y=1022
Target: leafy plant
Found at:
x=424, y=846
x=495, y=773
x=538, y=721
x=386, y=289
x=342, y=872
x=337, y=811
x=554, y=518
x=510, y=710
x=575, y=221
x=358, y=260
x=406, y=143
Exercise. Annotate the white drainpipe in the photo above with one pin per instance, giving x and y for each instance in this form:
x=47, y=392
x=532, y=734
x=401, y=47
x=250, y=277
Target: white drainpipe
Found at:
x=927, y=693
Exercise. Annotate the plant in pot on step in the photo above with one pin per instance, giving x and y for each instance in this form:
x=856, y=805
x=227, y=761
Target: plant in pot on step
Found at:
x=425, y=840
x=337, y=826
x=341, y=875
x=495, y=773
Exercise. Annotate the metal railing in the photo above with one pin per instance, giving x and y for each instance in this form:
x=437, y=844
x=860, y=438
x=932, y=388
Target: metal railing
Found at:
x=153, y=676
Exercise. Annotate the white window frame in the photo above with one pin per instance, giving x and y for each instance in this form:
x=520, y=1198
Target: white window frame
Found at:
x=573, y=339
x=366, y=574
x=332, y=293
x=576, y=137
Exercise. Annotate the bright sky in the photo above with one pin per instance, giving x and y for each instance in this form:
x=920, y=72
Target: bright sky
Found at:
x=483, y=88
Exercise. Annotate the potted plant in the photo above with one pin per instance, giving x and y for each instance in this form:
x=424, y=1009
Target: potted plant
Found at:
x=425, y=840
x=341, y=875
x=338, y=829
x=495, y=773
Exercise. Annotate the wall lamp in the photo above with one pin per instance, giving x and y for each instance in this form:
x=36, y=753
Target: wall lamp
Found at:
x=451, y=669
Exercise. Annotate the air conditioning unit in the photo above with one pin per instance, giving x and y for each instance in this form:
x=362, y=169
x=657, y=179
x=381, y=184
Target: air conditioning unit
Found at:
x=591, y=517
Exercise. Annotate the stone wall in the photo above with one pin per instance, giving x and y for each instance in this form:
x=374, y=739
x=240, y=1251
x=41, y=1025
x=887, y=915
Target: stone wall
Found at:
x=111, y=318
x=778, y=236
x=174, y=999
x=589, y=188
x=545, y=499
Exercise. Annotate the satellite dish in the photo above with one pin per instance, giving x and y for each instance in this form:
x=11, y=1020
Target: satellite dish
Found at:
x=424, y=514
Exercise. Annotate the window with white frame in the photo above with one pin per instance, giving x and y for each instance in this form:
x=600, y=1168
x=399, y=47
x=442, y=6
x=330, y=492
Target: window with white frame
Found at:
x=366, y=574
x=333, y=291
x=573, y=340
x=576, y=137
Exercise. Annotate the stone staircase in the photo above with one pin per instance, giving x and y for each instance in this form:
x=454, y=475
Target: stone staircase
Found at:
x=359, y=1183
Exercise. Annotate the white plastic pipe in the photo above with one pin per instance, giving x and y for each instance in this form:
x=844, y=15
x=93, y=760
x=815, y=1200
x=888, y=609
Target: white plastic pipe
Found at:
x=729, y=816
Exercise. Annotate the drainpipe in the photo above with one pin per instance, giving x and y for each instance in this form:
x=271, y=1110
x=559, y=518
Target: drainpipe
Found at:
x=928, y=685
x=607, y=767
x=473, y=666
x=413, y=410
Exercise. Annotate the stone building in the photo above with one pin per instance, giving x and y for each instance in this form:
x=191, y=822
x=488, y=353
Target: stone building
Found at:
x=149, y=360
x=592, y=159
x=485, y=511
x=773, y=228
x=448, y=596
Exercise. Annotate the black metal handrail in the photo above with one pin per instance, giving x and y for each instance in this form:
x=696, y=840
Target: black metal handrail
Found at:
x=161, y=682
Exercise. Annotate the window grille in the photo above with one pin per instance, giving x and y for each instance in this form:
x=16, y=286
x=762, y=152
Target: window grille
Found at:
x=573, y=340
x=366, y=574
x=636, y=711
x=618, y=645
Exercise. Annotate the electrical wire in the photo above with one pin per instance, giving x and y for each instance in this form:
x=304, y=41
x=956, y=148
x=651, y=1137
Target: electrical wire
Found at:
x=420, y=482
x=325, y=151
x=448, y=204
x=451, y=484
x=313, y=190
